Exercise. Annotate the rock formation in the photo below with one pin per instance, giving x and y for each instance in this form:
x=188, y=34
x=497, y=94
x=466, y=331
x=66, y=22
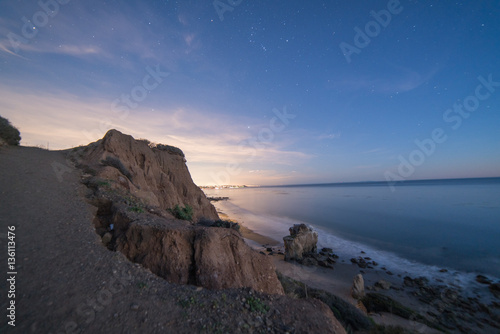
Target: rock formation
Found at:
x=122, y=172
x=211, y=257
x=302, y=239
x=358, y=287
x=157, y=175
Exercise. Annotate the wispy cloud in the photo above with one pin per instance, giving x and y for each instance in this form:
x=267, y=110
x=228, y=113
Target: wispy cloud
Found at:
x=396, y=79
x=66, y=121
x=375, y=150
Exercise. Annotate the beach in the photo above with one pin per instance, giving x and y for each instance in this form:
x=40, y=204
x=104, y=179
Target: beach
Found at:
x=447, y=304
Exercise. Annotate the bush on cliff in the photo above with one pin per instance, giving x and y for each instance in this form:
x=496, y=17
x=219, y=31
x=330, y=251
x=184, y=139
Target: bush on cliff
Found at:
x=9, y=133
x=185, y=213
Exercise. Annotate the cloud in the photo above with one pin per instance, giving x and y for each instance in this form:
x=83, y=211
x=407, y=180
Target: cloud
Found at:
x=396, y=79
x=64, y=120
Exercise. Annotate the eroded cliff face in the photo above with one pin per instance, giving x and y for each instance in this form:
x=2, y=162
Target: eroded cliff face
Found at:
x=122, y=171
x=158, y=176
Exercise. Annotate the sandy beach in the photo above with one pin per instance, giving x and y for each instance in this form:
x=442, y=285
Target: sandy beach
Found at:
x=378, y=279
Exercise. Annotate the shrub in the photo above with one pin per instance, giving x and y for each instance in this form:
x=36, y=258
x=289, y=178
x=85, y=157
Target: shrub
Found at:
x=170, y=149
x=8, y=132
x=226, y=224
x=256, y=305
x=185, y=213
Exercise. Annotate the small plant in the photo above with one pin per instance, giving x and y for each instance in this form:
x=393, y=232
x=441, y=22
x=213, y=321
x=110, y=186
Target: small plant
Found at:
x=256, y=305
x=142, y=285
x=187, y=302
x=226, y=224
x=103, y=183
x=137, y=209
x=185, y=213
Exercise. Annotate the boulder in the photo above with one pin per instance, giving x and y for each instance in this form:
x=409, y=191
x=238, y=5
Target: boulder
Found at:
x=384, y=285
x=495, y=289
x=483, y=279
x=223, y=260
x=211, y=257
x=358, y=287
x=302, y=239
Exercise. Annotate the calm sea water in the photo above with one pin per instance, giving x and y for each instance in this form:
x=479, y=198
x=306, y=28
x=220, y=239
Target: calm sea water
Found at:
x=422, y=226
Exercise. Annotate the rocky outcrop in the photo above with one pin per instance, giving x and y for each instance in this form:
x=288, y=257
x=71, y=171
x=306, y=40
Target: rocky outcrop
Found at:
x=223, y=260
x=155, y=174
x=302, y=239
x=358, y=287
x=211, y=257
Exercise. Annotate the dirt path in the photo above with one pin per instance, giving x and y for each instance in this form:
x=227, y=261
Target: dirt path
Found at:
x=66, y=281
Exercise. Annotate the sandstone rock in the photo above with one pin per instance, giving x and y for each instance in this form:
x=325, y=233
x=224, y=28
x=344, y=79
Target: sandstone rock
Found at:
x=383, y=285
x=325, y=264
x=309, y=261
x=158, y=176
x=214, y=258
x=106, y=238
x=223, y=260
x=302, y=239
x=358, y=287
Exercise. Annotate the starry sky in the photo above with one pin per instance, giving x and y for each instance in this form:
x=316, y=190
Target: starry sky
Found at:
x=263, y=92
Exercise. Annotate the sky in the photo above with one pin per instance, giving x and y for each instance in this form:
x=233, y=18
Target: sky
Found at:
x=263, y=92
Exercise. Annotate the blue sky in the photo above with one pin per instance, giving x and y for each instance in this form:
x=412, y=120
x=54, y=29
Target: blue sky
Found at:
x=259, y=92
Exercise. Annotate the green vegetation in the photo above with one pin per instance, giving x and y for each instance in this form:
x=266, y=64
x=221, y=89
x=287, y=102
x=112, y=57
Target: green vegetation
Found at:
x=226, y=224
x=185, y=213
x=9, y=133
x=256, y=305
x=142, y=285
x=187, y=302
x=136, y=209
x=103, y=183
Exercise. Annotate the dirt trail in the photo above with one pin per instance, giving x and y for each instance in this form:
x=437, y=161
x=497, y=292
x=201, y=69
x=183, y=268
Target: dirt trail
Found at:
x=68, y=282
x=65, y=280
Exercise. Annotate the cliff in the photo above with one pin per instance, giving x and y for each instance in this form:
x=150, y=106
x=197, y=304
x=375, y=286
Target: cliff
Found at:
x=157, y=175
x=135, y=188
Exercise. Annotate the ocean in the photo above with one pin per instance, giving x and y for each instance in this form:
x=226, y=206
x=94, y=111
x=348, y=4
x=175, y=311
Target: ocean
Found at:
x=418, y=229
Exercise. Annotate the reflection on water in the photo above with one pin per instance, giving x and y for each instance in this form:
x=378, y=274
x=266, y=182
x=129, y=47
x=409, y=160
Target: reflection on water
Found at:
x=454, y=224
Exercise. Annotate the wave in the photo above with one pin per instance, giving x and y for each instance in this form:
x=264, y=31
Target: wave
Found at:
x=278, y=227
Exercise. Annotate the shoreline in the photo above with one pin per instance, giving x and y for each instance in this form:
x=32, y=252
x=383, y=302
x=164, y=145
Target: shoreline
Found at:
x=339, y=280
